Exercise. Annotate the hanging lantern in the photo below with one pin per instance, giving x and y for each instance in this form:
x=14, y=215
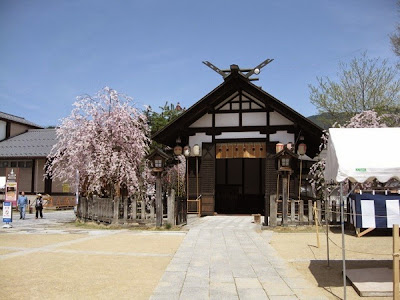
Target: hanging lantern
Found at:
x=186, y=151
x=279, y=147
x=302, y=149
x=177, y=150
x=196, y=150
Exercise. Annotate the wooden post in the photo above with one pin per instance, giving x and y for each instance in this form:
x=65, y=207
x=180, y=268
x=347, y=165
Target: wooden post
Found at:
x=171, y=208
x=301, y=211
x=292, y=210
x=319, y=210
x=310, y=212
x=125, y=210
x=116, y=210
x=396, y=295
x=143, y=210
x=273, y=211
x=284, y=201
x=159, y=212
x=334, y=212
x=134, y=209
x=316, y=223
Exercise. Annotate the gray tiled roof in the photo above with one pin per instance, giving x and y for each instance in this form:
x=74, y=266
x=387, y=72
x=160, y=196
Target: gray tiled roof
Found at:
x=16, y=119
x=33, y=143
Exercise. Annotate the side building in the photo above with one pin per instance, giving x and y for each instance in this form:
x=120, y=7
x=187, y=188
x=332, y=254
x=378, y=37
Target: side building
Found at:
x=24, y=150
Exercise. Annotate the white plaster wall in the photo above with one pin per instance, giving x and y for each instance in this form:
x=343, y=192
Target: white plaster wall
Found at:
x=199, y=139
x=277, y=119
x=282, y=137
x=254, y=119
x=204, y=121
x=222, y=120
x=3, y=126
x=241, y=135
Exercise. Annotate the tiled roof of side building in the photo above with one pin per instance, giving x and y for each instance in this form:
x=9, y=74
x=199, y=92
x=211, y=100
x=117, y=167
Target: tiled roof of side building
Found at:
x=16, y=119
x=33, y=143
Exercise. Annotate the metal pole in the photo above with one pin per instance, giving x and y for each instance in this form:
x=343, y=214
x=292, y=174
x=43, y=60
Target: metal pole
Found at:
x=327, y=225
x=396, y=295
x=343, y=241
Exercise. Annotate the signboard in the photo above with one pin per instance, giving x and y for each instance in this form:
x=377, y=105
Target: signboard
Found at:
x=11, y=191
x=65, y=188
x=7, y=212
x=12, y=185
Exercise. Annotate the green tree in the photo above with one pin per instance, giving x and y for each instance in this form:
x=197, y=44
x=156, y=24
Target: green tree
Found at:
x=169, y=112
x=363, y=84
x=158, y=120
x=395, y=38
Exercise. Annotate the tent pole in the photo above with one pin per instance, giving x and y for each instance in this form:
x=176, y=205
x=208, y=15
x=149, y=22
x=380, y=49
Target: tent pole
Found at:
x=327, y=223
x=343, y=242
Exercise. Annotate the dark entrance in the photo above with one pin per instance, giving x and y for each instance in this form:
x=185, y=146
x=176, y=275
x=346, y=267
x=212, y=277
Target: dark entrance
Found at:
x=240, y=185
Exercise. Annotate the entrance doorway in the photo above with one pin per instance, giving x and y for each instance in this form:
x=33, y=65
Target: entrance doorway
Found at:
x=240, y=185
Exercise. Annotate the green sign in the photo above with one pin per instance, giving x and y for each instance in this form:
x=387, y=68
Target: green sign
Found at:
x=361, y=170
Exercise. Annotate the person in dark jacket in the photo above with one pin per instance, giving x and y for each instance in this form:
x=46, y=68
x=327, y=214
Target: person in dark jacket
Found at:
x=39, y=206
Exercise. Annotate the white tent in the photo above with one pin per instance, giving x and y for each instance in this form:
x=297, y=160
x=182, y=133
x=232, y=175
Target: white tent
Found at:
x=361, y=154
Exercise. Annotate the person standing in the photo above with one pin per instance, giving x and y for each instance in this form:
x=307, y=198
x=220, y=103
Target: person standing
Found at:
x=22, y=202
x=39, y=206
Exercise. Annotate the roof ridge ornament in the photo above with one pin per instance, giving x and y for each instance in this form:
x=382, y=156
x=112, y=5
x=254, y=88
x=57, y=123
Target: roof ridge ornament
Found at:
x=235, y=69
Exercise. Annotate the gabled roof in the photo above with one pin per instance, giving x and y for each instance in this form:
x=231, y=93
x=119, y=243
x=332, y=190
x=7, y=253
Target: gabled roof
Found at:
x=234, y=82
x=33, y=143
x=7, y=117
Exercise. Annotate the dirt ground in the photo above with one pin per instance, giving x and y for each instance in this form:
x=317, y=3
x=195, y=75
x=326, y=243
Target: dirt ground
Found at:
x=103, y=264
x=59, y=259
x=301, y=251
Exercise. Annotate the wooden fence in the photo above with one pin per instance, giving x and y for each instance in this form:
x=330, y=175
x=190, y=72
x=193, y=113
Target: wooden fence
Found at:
x=125, y=210
x=300, y=212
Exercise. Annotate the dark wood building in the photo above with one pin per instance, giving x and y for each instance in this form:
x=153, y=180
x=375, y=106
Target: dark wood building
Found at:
x=237, y=126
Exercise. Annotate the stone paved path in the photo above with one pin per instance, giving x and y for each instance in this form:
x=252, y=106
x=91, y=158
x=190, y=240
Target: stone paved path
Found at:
x=228, y=257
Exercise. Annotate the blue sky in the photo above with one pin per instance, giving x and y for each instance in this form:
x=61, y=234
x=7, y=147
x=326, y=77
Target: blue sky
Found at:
x=52, y=51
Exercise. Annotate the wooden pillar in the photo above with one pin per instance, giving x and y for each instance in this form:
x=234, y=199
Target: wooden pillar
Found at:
x=273, y=211
x=171, y=208
x=284, y=200
x=267, y=212
x=159, y=212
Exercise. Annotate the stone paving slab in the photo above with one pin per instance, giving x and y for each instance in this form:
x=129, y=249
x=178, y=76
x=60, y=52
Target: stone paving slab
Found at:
x=228, y=257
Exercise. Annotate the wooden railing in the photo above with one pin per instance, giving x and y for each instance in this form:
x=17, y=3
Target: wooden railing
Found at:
x=300, y=212
x=129, y=210
x=194, y=206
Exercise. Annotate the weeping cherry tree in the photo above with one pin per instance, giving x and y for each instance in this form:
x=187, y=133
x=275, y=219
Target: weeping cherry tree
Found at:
x=105, y=139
